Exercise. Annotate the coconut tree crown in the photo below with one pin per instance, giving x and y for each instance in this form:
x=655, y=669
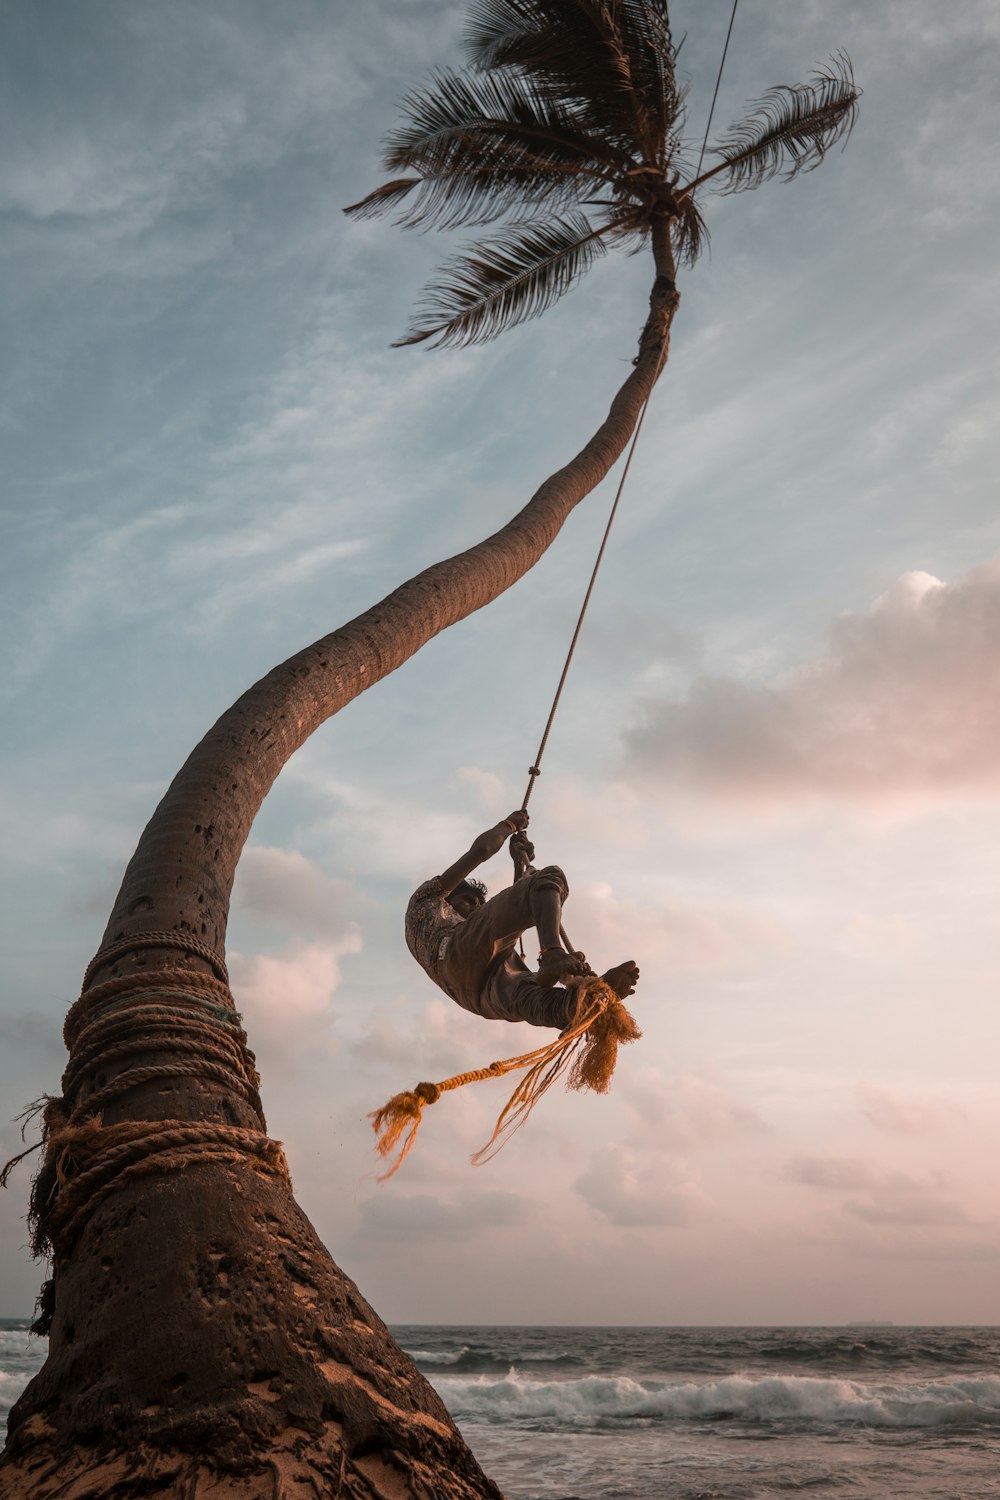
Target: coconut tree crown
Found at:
x=568, y=123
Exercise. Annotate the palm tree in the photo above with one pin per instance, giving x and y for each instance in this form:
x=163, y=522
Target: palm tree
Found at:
x=199, y=1332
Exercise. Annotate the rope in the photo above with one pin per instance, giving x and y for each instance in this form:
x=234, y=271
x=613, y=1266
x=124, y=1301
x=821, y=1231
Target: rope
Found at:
x=587, y=1049
x=85, y=1163
x=718, y=80
x=185, y=940
x=177, y=984
x=90, y=1162
x=166, y=1010
x=172, y=1011
x=535, y=770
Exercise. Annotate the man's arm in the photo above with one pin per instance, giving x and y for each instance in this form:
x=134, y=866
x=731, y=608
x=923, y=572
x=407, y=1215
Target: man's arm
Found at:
x=485, y=846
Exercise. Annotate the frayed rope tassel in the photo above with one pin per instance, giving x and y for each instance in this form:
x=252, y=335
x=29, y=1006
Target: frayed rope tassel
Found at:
x=587, y=1049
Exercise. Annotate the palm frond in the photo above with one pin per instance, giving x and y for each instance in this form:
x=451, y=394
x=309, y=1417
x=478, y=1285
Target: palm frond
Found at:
x=505, y=280
x=485, y=147
x=645, y=29
x=613, y=58
x=477, y=196
x=789, y=130
x=384, y=199
x=501, y=111
x=688, y=232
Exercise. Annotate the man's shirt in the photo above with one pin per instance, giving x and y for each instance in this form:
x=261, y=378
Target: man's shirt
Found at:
x=430, y=921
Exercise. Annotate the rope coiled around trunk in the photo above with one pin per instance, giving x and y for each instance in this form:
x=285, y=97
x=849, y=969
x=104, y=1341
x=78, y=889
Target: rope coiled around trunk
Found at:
x=186, y=1023
x=186, y=941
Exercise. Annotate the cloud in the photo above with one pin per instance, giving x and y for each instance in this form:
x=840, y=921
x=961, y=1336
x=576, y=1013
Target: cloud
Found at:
x=682, y=937
x=290, y=889
x=890, y=1198
x=903, y=706
x=831, y=1172
x=897, y=1113
x=640, y=1190
x=286, y=997
x=440, y=1037
x=151, y=150
x=907, y=1204
x=487, y=785
x=20, y=1029
x=393, y=1218
x=688, y=1110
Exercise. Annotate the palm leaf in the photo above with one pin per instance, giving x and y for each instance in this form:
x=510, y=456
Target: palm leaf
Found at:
x=483, y=147
x=790, y=130
x=645, y=29
x=613, y=58
x=500, y=112
x=688, y=232
x=505, y=280
x=383, y=199
x=478, y=196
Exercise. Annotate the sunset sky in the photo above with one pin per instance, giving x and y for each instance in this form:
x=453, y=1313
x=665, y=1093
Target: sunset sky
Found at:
x=775, y=779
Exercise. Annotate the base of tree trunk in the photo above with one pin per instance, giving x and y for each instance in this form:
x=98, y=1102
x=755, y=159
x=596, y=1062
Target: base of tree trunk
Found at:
x=204, y=1344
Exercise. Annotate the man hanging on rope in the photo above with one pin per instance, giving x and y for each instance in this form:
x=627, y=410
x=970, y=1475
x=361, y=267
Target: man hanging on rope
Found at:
x=466, y=943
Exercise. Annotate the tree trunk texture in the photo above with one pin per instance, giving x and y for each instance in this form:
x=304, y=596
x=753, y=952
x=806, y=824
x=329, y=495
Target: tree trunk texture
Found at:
x=203, y=1343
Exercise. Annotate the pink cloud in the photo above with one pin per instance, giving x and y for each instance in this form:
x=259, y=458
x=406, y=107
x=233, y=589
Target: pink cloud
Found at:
x=690, y=1110
x=285, y=998
x=897, y=1113
x=680, y=936
x=881, y=1197
x=903, y=705
x=290, y=889
x=831, y=1172
x=640, y=1190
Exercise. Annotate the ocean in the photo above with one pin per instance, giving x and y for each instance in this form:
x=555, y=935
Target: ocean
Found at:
x=856, y=1413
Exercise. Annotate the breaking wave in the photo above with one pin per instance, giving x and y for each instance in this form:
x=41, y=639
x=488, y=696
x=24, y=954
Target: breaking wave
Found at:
x=791, y=1401
x=11, y=1387
x=472, y=1361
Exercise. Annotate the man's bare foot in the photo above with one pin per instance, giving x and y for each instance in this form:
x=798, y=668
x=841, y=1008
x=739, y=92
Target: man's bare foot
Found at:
x=555, y=966
x=623, y=978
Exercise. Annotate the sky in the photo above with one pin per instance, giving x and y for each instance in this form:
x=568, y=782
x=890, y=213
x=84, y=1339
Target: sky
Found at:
x=774, y=780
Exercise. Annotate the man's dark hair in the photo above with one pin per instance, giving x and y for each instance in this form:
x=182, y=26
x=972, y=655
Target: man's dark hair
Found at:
x=476, y=888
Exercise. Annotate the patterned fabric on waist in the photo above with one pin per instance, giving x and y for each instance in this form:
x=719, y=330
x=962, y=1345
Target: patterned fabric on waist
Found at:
x=430, y=922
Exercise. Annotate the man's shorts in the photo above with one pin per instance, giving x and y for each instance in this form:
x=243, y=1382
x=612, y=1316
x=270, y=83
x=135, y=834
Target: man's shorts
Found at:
x=483, y=972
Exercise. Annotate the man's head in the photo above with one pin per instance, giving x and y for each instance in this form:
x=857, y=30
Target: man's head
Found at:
x=468, y=897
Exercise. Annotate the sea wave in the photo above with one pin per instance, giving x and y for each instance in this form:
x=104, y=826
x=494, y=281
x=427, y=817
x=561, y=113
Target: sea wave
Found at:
x=478, y=1361
x=791, y=1401
x=18, y=1338
x=11, y=1386
x=438, y=1356
x=846, y=1351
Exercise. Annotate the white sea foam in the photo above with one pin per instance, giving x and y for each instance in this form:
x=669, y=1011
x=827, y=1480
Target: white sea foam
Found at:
x=15, y=1340
x=11, y=1386
x=798, y=1401
x=437, y=1357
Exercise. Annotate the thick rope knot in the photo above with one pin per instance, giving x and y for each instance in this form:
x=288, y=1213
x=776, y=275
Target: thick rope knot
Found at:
x=594, y=1064
x=587, y=1049
x=397, y=1123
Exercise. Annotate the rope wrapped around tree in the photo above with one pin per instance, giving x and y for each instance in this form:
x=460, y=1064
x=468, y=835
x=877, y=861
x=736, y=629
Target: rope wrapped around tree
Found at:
x=169, y=1010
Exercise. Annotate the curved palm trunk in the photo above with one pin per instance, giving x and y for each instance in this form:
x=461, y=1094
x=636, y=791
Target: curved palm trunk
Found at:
x=203, y=1342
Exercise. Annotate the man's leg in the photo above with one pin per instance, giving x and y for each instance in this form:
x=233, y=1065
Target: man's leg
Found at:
x=493, y=930
x=511, y=994
x=548, y=894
